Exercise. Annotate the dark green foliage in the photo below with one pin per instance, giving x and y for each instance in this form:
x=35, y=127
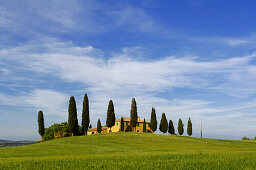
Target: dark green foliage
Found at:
x=134, y=114
x=99, y=126
x=55, y=128
x=110, y=115
x=72, y=117
x=180, y=127
x=144, y=126
x=163, y=124
x=245, y=138
x=122, y=124
x=171, y=129
x=153, y=121
x=90, y=126
x=41, y=123
x=189, y=127
x=85, y=115
x=128, y=128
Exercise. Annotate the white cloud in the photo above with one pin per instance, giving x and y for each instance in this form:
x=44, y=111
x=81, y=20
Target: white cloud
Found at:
x=50, y=101
x=235, y=42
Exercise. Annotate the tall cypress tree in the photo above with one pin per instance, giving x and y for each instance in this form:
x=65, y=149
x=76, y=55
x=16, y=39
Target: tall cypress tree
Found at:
x=110, y=115
x=180, y=127
x=171, y=129
x=163, y=124
x=72, y=117
x=144, y=126
x=122, y=124
x=134, y=114
x=85, y=115
x=40, y=121
x=153, y=121
x=163, y=127
x=189, y=128
x=99, y=126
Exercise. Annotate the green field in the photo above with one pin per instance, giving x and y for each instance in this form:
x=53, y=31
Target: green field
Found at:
x=131, y=151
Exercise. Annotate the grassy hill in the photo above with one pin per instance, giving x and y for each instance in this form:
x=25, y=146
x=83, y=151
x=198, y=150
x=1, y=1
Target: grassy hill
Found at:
x=131, y=151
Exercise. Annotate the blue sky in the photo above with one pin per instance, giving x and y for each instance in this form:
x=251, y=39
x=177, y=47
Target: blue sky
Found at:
x=187, y=58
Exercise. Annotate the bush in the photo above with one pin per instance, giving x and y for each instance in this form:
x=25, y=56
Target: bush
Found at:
x=57, y=131
x=245, y=138
x=128, y=129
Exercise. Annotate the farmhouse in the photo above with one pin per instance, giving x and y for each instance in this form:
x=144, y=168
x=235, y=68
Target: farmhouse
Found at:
x=117, y=127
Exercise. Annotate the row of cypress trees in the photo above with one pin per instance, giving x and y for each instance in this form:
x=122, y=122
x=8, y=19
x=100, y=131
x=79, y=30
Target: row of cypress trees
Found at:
x=164, y=127
x=73, y=121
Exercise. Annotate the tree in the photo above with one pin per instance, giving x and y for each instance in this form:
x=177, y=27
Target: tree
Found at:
x=72, y=117
x=99, y=126
x=153, y=121
x=90, y=126
x=110, y=115
x=171, y=129
x=180, y=127
x=189, y=128
x=163, y=124
x=144, y=126
x=41, y=123
x=122, y=124
x=134, y=114
x=85, y=115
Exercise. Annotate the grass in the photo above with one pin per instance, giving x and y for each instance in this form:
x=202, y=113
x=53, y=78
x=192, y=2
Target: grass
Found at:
x=131, y=151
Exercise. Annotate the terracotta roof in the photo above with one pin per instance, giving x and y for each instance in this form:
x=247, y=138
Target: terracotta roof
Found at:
x=95, y=129
x=126, y=119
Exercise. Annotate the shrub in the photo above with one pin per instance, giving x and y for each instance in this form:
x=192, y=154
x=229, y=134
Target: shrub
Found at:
x=245, y=138
x=128, y=129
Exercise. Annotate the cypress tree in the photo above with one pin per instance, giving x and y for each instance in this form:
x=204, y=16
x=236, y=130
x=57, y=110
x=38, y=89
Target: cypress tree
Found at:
x=153, y=121
x=72, y=117
x=189, y=128
x=41, y=124
x=171, y=129
x=163, y=124
x=122, y=124
x=144, y=126
x=99, y=126
x=134, y=114
x=110, y=115
x=85, y=115
x=180, y=127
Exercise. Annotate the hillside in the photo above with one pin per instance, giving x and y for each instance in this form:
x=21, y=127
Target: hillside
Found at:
x=129, y=151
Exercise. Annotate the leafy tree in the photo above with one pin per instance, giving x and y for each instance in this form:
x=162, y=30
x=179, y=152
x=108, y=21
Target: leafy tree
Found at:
x=171, y=129
x=189, y=127
x=62, y=129
x=122, y=124
x=153, y=121
x=110, y=115
x=180, y=127
x=41, y=123
x=99, y=126
x=144, y=126
x=85, y=115
x=163, y=124
x=134, y=114
x=72, y=117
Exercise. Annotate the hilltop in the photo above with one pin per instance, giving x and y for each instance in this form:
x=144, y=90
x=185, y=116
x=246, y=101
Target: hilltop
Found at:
x=129, y=151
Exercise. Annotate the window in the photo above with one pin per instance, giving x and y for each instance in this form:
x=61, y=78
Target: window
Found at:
x=117, y=123
x=126, y=123
x=149, y=125
x=138, y=124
